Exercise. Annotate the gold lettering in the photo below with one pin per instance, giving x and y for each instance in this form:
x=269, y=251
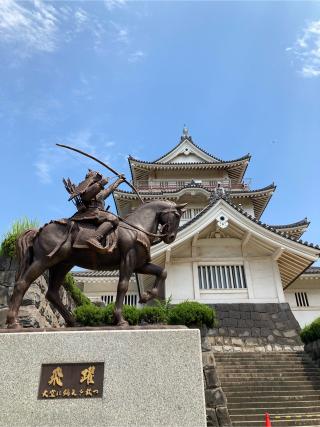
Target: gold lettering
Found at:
x=56, y=376
x=88, y=375
x=52, y=393
x=88, y=392
x=45, y=393
x=66, y=392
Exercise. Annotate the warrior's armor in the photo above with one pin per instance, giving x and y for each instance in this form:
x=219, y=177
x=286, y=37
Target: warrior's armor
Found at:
x=89, y=196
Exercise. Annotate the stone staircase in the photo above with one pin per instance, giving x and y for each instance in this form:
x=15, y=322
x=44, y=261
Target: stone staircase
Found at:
x=286, y=385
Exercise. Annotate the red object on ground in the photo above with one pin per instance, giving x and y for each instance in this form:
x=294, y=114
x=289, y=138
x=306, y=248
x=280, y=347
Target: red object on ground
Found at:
x=268, y=422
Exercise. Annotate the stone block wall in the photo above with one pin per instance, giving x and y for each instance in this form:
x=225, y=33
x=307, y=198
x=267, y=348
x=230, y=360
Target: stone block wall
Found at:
x=35, y=311
x=216, y=402
x=254, y=327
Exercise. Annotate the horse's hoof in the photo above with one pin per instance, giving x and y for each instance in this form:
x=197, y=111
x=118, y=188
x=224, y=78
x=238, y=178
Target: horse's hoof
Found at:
x=14, y=325
x=122, y=323
x=144, y=298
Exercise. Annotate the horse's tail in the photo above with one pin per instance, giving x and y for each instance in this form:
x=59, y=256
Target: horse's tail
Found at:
x=24, y=251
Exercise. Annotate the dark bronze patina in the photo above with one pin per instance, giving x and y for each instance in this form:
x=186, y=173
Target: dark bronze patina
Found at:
x=95, y=239
x=71, y=380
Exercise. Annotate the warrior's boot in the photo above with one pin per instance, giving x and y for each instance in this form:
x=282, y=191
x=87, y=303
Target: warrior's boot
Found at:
x=101, y=232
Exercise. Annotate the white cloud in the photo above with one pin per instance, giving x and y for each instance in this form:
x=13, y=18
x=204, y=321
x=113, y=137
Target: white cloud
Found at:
x=113, y=4
x=35, y=27
x=307, y=50
x=43, y=171
x=110, y=143
x=38, y=26
x=136, y=56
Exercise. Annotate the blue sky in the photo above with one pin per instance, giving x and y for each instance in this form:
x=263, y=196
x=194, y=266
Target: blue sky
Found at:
x=118, y=77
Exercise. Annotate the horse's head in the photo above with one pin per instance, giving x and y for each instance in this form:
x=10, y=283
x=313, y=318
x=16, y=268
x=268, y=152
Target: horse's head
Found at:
x=169, y=218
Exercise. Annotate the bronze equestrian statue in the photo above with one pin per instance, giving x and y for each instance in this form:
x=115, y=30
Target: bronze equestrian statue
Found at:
x=94, y=239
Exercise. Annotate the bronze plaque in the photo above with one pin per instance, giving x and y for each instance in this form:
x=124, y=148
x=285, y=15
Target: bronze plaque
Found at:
x=71, y=380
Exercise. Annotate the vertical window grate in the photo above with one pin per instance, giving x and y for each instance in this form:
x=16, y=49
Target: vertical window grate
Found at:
x=302, y=299
x=222, y=277
x=129, y=299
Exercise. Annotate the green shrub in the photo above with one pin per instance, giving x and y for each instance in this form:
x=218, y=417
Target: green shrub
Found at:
x=191, y=314
x=8, y=244
x=187, y=313
x=78, y=297
x=108, y=314
x=153, y=315
x=89, y=315
x=131, y=314
x=311, y=332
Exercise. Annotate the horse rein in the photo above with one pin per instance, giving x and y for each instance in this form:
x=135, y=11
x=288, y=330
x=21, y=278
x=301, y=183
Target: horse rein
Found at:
x=140, y=229
x=147, y=232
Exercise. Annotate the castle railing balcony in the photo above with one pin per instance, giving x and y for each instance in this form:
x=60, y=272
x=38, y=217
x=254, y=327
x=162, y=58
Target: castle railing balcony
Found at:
x=158, y=185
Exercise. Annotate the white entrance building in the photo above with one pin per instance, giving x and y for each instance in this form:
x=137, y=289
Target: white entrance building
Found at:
x=223, y=253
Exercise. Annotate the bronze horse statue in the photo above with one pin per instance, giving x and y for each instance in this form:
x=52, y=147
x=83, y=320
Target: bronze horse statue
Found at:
x=53, y=248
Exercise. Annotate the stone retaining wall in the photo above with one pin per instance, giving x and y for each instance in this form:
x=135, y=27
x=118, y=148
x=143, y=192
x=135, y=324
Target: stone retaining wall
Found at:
x=254, y=327
x=35, y=311
x=216, y=402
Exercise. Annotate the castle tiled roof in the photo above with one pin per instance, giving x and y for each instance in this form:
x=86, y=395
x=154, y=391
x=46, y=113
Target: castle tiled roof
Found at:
x=300, y=223
x=95, y=273
x=260, y=197
x=312, y=270
x=219, y=162
x=244, y=213
x=184, y=138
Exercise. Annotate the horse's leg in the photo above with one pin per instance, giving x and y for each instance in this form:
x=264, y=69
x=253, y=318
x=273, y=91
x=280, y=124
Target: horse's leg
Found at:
x=56, y=275
x=127, y=264
x=20, y=288
x=161, y=276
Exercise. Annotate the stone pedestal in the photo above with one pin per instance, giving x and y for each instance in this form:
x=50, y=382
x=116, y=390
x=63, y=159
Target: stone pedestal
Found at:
x=152, y=377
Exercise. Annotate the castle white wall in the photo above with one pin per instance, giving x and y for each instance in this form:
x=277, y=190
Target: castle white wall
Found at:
x=311, y=287
x=262, y=274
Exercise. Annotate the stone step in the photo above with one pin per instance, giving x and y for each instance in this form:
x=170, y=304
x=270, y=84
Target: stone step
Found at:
x=276, y=417
x=292, y=371
x=247, y=390
x=281, y=382
x=269, y=382
x=251, y=411
x=270, y=395
x=310, y=422
x=264, y=356
x=242, y=376
x=267, y=366
x=269, y=377
x=267, y=405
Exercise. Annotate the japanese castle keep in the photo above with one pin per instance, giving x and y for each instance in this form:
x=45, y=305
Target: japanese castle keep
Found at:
x=223, y=253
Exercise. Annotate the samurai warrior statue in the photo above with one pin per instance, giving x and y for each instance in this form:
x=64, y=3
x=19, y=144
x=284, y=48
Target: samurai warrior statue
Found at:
x=89, y=197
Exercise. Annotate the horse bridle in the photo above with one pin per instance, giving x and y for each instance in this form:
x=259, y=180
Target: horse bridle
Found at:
x=147, y=232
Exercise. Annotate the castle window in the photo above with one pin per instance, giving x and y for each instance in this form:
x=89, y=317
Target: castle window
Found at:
x=301, y=299
x=222, y=277
x=129, y=299
x=108, y=299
